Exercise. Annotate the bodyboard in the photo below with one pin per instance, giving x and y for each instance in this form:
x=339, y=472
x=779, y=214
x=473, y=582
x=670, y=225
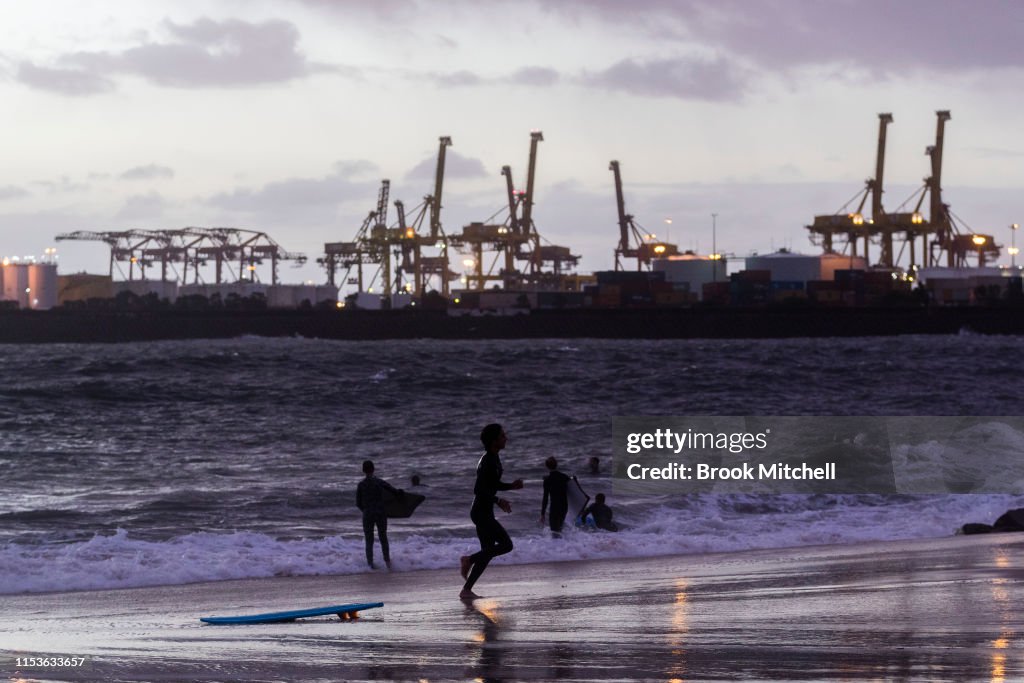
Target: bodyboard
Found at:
x=401, y=506
x=343, y=612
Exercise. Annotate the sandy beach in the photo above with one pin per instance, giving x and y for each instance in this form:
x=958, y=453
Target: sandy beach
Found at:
x=936, y=610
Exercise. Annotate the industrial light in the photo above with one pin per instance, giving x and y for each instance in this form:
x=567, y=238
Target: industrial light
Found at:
x=857, y=218
x=468, y=262
x=457, y=300
x=715, y=257
x=916, y=218
x=978, y=240
x=1013, y=251
x=659, y=249
x=340, y=304
x=410, y=233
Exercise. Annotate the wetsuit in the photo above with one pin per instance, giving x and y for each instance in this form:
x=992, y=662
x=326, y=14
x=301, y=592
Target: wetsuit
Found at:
x=494, y=540
x=602, y=516
x=556, y=486
x=370, y=499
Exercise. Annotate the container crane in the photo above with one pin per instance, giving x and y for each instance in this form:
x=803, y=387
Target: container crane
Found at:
x=646, y=249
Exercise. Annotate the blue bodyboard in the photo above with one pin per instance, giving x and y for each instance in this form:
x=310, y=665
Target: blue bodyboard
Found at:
x=343, y=612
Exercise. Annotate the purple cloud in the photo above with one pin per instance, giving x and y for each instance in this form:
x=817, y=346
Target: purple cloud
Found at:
x=715, y=80
x=148, y=172
x=12, y=192
x=455, y=166
x=283, y=196
x=75, y=82
x=203, y=54
x=142, y=207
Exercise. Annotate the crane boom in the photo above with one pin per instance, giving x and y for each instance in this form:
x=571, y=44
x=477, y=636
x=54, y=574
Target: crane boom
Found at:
x=513, y=212
x=535, y=137
x=435, y=207
x=624, y=218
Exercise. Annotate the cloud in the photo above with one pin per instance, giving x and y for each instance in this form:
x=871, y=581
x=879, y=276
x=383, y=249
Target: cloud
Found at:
x=535, y=75
x=148, y=172
x=454, y=79
x=75, y=82
x=958, y=35
x=455, y=166
x=301, y=193
x=64, y=184
x=142, y=207
x=714, y=80
x=12, y=192
x=203, y=54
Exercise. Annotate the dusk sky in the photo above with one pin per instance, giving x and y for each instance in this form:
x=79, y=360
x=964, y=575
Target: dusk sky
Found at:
x=284, y=116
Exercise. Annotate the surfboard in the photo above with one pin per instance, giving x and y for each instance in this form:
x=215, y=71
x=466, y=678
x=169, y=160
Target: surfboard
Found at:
x=344, y=612
x=400, y=507
x=578, y=498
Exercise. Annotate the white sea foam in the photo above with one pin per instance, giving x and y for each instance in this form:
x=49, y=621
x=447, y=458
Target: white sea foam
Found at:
x=714, y=524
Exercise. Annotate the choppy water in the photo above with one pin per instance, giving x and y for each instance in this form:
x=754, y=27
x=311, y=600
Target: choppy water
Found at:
x=172, y=462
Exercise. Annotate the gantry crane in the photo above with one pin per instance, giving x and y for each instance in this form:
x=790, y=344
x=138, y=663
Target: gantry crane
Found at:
x=143, y=248
x=646, y=248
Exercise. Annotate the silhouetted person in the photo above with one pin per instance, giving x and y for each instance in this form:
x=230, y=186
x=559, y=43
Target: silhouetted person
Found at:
x=595, y=464
x=601, y=513
x=370, y=499
x=494, y=540
x=415, y=480
x=556, y=487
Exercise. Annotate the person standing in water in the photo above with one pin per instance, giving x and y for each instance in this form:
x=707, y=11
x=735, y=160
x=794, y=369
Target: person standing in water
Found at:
x=494, y=540
x=370, y=500
x=556, y=487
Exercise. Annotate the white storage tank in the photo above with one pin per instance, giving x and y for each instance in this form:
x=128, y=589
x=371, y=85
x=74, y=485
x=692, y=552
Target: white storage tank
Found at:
x=690, y=271
x=786, y=266
x=42, y=286
x=15, y=282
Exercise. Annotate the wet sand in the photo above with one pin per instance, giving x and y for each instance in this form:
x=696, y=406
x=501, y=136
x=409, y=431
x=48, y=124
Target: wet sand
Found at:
x=939, y=610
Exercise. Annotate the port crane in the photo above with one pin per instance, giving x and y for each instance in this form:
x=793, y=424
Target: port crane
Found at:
x=939, y=234
x=515, y=240
x=645, y=248
x=189, y=246
x=398, y=249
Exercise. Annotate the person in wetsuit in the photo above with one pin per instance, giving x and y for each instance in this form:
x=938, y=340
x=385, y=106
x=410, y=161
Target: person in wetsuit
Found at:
x=370, y=500
x=601, y=513
x=494, y=540
x=556, y=487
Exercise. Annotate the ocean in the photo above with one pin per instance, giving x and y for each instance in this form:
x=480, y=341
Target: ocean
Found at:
x=167, y=463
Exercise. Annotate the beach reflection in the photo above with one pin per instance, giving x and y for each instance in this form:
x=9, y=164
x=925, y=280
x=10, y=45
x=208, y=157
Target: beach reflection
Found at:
x=679, y=631
x=489, y=662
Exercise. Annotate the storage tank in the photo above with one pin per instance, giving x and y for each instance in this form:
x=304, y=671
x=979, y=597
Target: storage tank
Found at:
x=42, y=286
x=16, y=282
x=787, y=266
x=690, y=272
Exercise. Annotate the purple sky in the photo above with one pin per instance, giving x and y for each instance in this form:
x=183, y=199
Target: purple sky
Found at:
x=285, y=116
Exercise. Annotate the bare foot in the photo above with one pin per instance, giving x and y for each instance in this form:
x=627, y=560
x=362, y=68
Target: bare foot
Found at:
x=468, y=595
x=464, y=565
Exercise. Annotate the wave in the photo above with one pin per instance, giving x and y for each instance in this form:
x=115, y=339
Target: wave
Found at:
x=709, y=524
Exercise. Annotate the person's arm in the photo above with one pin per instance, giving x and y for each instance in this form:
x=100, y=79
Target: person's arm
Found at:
x=389, y=487
x=359, y=496
x=544, y=499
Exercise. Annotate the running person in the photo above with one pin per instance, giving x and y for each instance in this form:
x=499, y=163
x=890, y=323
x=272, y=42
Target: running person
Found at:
x=494, y=540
